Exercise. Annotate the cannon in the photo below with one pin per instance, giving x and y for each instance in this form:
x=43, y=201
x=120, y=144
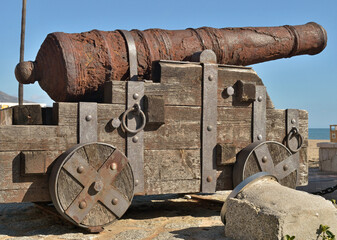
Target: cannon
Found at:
x=151, y=112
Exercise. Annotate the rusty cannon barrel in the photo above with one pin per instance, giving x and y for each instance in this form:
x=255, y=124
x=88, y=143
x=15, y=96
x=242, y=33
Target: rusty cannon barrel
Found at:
x=73, y=67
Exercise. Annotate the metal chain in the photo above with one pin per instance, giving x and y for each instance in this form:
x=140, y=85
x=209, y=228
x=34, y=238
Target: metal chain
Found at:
x=326, y=191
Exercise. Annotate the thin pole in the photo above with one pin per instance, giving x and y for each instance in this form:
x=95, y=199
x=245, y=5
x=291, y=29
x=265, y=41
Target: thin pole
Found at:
x=22, y=45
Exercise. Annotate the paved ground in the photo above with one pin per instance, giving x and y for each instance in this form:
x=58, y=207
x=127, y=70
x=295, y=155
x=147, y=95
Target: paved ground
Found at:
x=160, y=218
x=321, y=180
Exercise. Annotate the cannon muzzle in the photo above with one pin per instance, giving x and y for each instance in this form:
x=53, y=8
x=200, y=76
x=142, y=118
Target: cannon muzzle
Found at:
x=73, y=67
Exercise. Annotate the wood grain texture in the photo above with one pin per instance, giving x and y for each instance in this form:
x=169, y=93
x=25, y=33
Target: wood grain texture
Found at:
x=6, y=116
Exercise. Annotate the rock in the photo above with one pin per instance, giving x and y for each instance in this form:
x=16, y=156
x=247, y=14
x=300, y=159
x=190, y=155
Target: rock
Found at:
x=267, y=210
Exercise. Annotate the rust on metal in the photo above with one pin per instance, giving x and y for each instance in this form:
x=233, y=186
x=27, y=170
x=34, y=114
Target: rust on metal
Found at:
x=73, y=67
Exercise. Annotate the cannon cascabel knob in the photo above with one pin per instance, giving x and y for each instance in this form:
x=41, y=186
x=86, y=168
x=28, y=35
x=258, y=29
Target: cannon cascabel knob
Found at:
x=25, y=72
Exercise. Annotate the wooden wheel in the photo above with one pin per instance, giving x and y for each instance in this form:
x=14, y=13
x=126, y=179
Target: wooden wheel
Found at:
x=91, y=185
x=271, y=157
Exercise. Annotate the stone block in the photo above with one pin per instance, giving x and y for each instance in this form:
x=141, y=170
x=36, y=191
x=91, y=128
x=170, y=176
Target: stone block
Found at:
x=326, y=165
x=267, y=210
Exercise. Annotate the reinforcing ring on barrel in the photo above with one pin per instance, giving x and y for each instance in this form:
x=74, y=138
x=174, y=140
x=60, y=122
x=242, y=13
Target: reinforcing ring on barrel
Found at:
x=138, y=111
x=294, y=133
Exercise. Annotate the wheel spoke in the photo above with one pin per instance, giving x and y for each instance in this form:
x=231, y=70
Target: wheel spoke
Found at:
x=115, y=202
x=80, y=169
x=286, y=167
x=265, y=159
x=81, y=206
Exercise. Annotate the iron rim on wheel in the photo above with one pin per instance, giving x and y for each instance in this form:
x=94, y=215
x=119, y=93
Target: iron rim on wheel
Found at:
x=91, y=185
x=271, y=157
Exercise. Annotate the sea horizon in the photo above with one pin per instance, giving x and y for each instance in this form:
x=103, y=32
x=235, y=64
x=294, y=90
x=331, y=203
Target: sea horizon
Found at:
x=319, y=133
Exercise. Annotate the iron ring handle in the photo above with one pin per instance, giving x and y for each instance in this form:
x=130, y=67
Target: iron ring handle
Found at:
x=136, y=107
x=294, y=131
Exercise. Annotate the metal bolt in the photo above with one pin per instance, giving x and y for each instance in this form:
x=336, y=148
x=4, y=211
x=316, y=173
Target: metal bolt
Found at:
x=114, y=201
x=80, y=169
x=113, y=166
x=264, y=159
x=88, y=118
x=98, y=186
x=230, y=91
x=259, y=137
x=293, y=121
x=135, y=96
x=209, y=128
x=136, y=182
x=115, y=123
x=209, y=179
x=135, y=139
x=285, y=167
x=210, y=77
x=259, y=99
x=82, y=205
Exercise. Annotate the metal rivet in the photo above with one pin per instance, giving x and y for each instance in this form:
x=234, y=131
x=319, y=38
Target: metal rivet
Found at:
x=209, y=128
x=136, y=182
x=230, y=91
x=80, y=169
x=135, y=139
x=113, y=166
x=264, y=159
x=210, y=77
x=293, y=121
x=259, y=137
x=285, y=167
x=209, y=179
x=114, y=201
x=259, y=99
x=115, y=123
x=88, y=118
x=135, y=96
x=98, y=186
x=83, y=205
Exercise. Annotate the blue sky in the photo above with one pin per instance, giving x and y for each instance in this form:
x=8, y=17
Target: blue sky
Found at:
x=303, y=82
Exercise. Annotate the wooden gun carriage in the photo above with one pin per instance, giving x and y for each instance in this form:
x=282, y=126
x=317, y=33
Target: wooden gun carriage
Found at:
x=195, y=126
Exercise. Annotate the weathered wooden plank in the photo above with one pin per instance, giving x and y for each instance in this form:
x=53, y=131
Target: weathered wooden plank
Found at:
x=37, y=162
x=14, y=187
x=174, y=135
x=34, y=137
x=25, y=195
x=181, y=84
x=27, y=115
x=114, y=92
x=6, y=116
x=165, y=165
x=105, y=132
x=174, y=186
x=224, y=178
x=178, y=78
x=65, y=114
x=11, y=169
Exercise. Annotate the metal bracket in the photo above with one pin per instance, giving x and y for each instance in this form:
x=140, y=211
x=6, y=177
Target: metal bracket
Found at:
x=209, y=122
x=135, y=94
x=292, y=122
x=135, y=141
x=259, y=114
x=132, y=54
x=87, y=129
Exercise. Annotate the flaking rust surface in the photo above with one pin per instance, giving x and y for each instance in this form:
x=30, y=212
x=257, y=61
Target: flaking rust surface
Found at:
x=156, y=217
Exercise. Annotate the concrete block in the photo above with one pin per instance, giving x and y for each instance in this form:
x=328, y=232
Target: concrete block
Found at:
x=334, y=164
x=267, y=210
x=326, y=165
